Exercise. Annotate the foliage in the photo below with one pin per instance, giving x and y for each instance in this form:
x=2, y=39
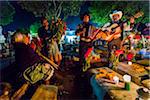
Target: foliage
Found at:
x=6, y=13
x=87, y=59
x=34, y=28
x=58, y=28
x=100, y=10
x=52, y=8
x=115, y=56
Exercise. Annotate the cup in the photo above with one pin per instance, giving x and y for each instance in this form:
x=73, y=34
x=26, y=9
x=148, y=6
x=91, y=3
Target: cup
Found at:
x=127, y=80
x=129, y=63
x=116, y=79
x=127, y=86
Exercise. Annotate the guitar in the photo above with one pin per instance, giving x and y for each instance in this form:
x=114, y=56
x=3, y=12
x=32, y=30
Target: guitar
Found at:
x=107, y=36
x=113, y=31
x=129, y=26
x=138, y=14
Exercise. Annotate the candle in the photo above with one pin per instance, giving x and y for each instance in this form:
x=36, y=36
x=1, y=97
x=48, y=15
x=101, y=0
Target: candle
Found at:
x=127, y=80
x=129, y=63
x=132, y=48
x=116, y=79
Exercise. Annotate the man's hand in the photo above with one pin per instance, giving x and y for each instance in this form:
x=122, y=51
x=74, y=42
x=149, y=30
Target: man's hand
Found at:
x=80, y=33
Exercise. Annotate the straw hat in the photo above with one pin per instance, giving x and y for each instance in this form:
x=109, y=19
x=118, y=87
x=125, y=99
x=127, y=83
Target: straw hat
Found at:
x=116, y=12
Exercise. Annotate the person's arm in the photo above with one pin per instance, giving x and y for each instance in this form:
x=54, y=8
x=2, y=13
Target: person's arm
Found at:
x=80, y=30
x=39, y=33
x=105, y=26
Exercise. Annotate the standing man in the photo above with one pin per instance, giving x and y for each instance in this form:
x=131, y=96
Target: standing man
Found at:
x=45, y=34
x=85, y=30
x=115, y=26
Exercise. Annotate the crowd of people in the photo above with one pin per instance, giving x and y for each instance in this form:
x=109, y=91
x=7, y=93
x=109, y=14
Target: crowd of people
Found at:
x=112, y=32
x=37, y=59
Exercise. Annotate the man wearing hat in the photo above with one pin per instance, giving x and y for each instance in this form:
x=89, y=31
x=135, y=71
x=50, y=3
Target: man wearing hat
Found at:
x=85, y=30
x=115, y=26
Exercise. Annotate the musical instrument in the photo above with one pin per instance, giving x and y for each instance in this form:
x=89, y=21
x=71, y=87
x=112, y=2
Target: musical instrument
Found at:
x=138, y=14
x=128, y=24
x=107, y=36
x=48, y=60
x=113, y=31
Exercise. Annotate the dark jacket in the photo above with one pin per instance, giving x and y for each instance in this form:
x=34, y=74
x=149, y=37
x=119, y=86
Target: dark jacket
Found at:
x=43, y=33
x=25, y=56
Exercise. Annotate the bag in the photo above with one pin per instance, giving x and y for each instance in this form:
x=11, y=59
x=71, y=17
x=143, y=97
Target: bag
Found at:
x=36, y=73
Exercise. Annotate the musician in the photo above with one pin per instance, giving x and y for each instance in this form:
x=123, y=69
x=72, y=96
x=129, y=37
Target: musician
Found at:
x=129, y=25
x=84, y=30
x=45, y=33
x=26, y=57
x=114, y=27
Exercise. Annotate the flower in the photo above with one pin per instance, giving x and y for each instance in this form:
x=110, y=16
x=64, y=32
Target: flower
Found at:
x=88, y=52
x=130, y=56
x=138, y=37
x=118, y=52
x=147, y=37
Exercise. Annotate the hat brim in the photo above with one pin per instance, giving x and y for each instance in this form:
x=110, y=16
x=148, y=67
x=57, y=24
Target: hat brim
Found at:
x=117, y=13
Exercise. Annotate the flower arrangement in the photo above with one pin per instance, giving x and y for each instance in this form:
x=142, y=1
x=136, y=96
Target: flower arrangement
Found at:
x=58, y=28
x=115, y=57
x=130, y=56
x=87, y=60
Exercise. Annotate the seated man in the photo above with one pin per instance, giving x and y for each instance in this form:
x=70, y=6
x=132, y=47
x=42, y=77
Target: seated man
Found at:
x=30, y=64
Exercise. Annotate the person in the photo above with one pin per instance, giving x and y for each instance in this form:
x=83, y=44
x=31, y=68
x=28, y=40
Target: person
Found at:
x=27, y=59
x=129, y=25
x=53, y=51
x=36, y=44
x=45, y=34
x=85, y=30
x=115, y=26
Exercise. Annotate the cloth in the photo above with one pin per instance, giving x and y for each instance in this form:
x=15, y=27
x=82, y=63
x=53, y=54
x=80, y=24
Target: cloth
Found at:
x=38, y=72
x=25, y=56
x=109, y=24
x=45, y=35
x=89, y=30
x=98, y=90
x=116, y=42
x=84, y=45
x=45, y=92
x=53, y=50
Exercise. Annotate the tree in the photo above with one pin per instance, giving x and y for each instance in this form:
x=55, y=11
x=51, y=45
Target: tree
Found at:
x=100, y=10
x=52, y=8
x=6, y=13
x=34, y=28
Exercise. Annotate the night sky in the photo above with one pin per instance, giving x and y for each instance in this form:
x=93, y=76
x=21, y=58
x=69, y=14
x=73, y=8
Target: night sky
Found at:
x=23, y=19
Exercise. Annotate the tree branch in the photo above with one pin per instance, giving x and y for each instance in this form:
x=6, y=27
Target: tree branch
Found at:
x=54, y=4
x=58, y=11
